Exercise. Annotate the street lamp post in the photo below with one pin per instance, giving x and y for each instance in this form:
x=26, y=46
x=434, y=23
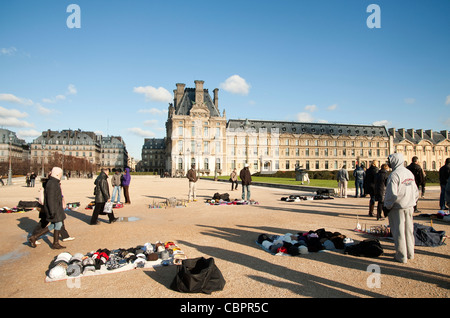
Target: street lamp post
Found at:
x=10, y=168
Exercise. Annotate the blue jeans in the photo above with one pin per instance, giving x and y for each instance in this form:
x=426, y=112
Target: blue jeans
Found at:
x=116, y=189
x=246, y=188
x=359, y=186
x=57, y=226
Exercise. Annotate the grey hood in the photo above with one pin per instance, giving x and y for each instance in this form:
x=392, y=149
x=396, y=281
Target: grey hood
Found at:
x=396, y=160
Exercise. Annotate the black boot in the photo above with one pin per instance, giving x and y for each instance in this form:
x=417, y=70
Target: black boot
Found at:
x=32, y=239
x=56, y=245
x=371, y=208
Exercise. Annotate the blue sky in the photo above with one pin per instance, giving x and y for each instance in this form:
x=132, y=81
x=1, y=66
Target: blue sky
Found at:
x=272, y=60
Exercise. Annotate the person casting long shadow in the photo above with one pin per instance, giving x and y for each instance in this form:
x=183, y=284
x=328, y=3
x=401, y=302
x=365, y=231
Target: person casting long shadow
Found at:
x=101, y=197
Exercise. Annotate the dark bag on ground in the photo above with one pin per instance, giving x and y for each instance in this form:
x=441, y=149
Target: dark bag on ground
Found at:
x=198, y=275
x=223, y=196
x=427, y=236
x=367, y=248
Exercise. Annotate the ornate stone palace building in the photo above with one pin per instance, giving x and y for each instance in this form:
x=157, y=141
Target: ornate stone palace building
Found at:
x=197, y=132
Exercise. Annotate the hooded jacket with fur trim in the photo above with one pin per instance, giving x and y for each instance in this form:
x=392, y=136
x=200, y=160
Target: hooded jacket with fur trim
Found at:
x=401, y=189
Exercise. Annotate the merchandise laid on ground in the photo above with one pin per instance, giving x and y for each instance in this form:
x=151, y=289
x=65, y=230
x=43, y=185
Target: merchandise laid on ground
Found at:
x=440, y=215
x=224, y=199
x=320, y=240
x=171, y=202
x=27, y=206
x=91, y=205
x=298, y=198
x=303, y=242
x=103, y=261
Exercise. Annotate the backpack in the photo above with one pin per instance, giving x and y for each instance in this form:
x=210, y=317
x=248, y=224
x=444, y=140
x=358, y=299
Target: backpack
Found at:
x=368, y=248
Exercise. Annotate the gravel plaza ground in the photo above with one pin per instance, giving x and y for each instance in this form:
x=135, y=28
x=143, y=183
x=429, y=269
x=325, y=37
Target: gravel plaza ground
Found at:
x=225, y=233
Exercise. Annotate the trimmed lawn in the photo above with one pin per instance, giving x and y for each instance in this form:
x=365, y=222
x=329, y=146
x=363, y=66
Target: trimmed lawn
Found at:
x=313, y=182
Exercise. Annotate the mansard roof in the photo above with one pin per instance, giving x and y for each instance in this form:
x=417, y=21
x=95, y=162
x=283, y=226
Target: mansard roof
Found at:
x=416, y=136
x=188, y=100
x=309, y=128
x=154, y=143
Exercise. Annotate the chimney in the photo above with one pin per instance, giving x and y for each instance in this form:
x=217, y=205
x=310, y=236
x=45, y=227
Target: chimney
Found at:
x=445, y=133
x=179, y=93
x=175, y=97
x=411, y=132
x=391, y=131
x=430, y=133
x=199, y=97
x=420, y=132
x=216, y=98
x=401, y=131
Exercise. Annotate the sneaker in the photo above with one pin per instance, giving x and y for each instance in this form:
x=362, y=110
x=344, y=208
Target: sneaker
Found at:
x=68, y=239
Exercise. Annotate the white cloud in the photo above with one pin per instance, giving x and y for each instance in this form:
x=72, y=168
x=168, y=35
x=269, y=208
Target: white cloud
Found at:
x=14, y=99
x=141, y=133
x=447, y=101
x=151, y=93
x=71, y=90
x=332, y=107
x=304, y=117
x=311, y=108
x=150, y=122
x=55, y=99
x=153, y=111
x=236, y=85
x=14, y=122
x=28, y=133
x=8, y=51
x=11, y=113
x=383, y=122
x=43, y=110
x=409, y=100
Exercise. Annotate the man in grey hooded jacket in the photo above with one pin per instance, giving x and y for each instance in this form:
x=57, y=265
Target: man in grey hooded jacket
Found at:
x=399, y=201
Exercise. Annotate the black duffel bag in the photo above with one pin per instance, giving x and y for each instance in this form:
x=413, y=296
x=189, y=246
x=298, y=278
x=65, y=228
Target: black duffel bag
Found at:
x=198, y=275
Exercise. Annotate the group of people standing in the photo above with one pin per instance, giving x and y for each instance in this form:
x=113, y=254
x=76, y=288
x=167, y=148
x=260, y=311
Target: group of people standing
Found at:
x=52, y=204
x=30, y=179
x=245, y=176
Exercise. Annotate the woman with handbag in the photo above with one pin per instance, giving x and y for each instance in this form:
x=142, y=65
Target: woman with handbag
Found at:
x=102, y=198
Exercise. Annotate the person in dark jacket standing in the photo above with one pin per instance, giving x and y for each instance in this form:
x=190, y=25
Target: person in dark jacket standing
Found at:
x=53, y=207
x=359, y=175
x=126, y=180
x=369, y=184
x=444, y=174
x=380, y=188
x=246, y=179
x=192, y=177
x=417, y=171
x=101, y=197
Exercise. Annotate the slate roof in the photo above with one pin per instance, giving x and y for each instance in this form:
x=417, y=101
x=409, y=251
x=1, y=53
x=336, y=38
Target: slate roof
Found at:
x=310, y=128
x=188, y=99
x=154, y=143
x=435, y=137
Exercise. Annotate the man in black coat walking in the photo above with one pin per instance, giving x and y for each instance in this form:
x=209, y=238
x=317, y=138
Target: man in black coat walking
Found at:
x=101, y=197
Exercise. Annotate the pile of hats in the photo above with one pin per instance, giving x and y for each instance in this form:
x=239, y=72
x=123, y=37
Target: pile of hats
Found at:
x=298, y=198
x=65, y=265
x=234, y=202
x=303, y=242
